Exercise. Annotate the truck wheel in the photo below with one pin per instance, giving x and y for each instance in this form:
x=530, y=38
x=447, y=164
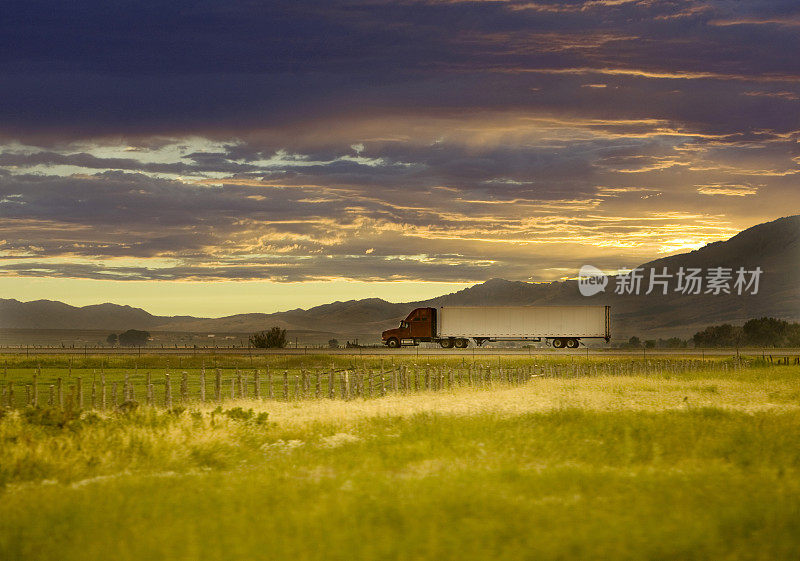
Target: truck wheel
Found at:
x=558, y=343
x=462, y=343
x=572, y=343
x=446, y=343
x=393, y=343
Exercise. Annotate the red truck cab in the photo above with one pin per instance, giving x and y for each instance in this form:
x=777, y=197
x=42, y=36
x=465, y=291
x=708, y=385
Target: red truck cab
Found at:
x=419, y=326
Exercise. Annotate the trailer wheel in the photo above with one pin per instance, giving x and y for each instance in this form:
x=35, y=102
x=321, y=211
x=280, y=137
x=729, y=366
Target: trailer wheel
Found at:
x=558, y=343
x=446, y=343
x=572, y=343
x=462, y=343
x=393, y=343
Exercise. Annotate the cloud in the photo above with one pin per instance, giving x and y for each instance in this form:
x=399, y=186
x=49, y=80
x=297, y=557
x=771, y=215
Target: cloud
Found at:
x=727, y=190
x=788, y=21
x=317, y=226
x=388, y=140
x=201, y=68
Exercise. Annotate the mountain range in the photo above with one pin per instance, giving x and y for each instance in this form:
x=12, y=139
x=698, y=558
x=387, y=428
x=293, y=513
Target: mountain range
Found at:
x=773, y=246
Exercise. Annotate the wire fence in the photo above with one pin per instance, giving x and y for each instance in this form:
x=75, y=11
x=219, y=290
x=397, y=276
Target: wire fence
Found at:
x=69, y=389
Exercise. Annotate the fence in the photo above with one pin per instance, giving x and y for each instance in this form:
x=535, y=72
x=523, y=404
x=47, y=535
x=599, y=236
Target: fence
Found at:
x=60, y=388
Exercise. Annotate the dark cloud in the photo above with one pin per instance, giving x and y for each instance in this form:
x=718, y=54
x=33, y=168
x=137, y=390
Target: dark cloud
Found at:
x=150, y=67
x=376, y=140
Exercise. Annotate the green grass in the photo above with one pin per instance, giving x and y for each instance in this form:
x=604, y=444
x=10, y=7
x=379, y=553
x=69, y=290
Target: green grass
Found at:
x=698, y=465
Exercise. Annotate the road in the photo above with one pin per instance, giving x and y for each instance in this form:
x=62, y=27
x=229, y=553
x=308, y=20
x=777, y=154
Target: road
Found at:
x=406, y=351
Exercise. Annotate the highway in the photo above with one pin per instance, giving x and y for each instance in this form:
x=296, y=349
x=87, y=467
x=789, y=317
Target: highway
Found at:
x=405, y=351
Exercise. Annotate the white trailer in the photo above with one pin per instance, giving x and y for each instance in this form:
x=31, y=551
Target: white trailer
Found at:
x=565, y=326
x=454, y=326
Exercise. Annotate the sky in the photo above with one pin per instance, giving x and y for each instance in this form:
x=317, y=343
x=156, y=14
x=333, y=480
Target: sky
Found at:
x=211, y=158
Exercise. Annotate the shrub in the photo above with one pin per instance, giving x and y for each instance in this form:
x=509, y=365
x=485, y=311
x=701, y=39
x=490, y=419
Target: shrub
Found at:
x=275, y=338
x=133, y=338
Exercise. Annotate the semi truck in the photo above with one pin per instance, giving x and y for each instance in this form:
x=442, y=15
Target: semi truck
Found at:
x=454, y=326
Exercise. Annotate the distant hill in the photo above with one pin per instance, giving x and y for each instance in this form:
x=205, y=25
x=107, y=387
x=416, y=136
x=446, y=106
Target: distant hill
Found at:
x=773, y=246
x=49, y=314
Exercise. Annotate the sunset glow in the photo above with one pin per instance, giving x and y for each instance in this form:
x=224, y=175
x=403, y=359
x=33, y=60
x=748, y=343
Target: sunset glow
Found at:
x=412, y=147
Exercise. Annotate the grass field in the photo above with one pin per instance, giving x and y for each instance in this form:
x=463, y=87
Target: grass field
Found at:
x=606, y=462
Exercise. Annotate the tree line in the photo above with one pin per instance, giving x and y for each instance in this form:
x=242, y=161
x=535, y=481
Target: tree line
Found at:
x=762, y=332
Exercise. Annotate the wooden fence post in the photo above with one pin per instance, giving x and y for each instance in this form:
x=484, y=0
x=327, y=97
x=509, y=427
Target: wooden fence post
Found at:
x=79, y=381
x=102, y=391
x=286, y=385
x=332, y=384
x=167, y=391
x=184, y=387
x=257, y=384
x=149, y=395
x=270, y=390
x=203, y=385
x=317, y=385
x=218, y=386
x=60, y=386
x=35, y=390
